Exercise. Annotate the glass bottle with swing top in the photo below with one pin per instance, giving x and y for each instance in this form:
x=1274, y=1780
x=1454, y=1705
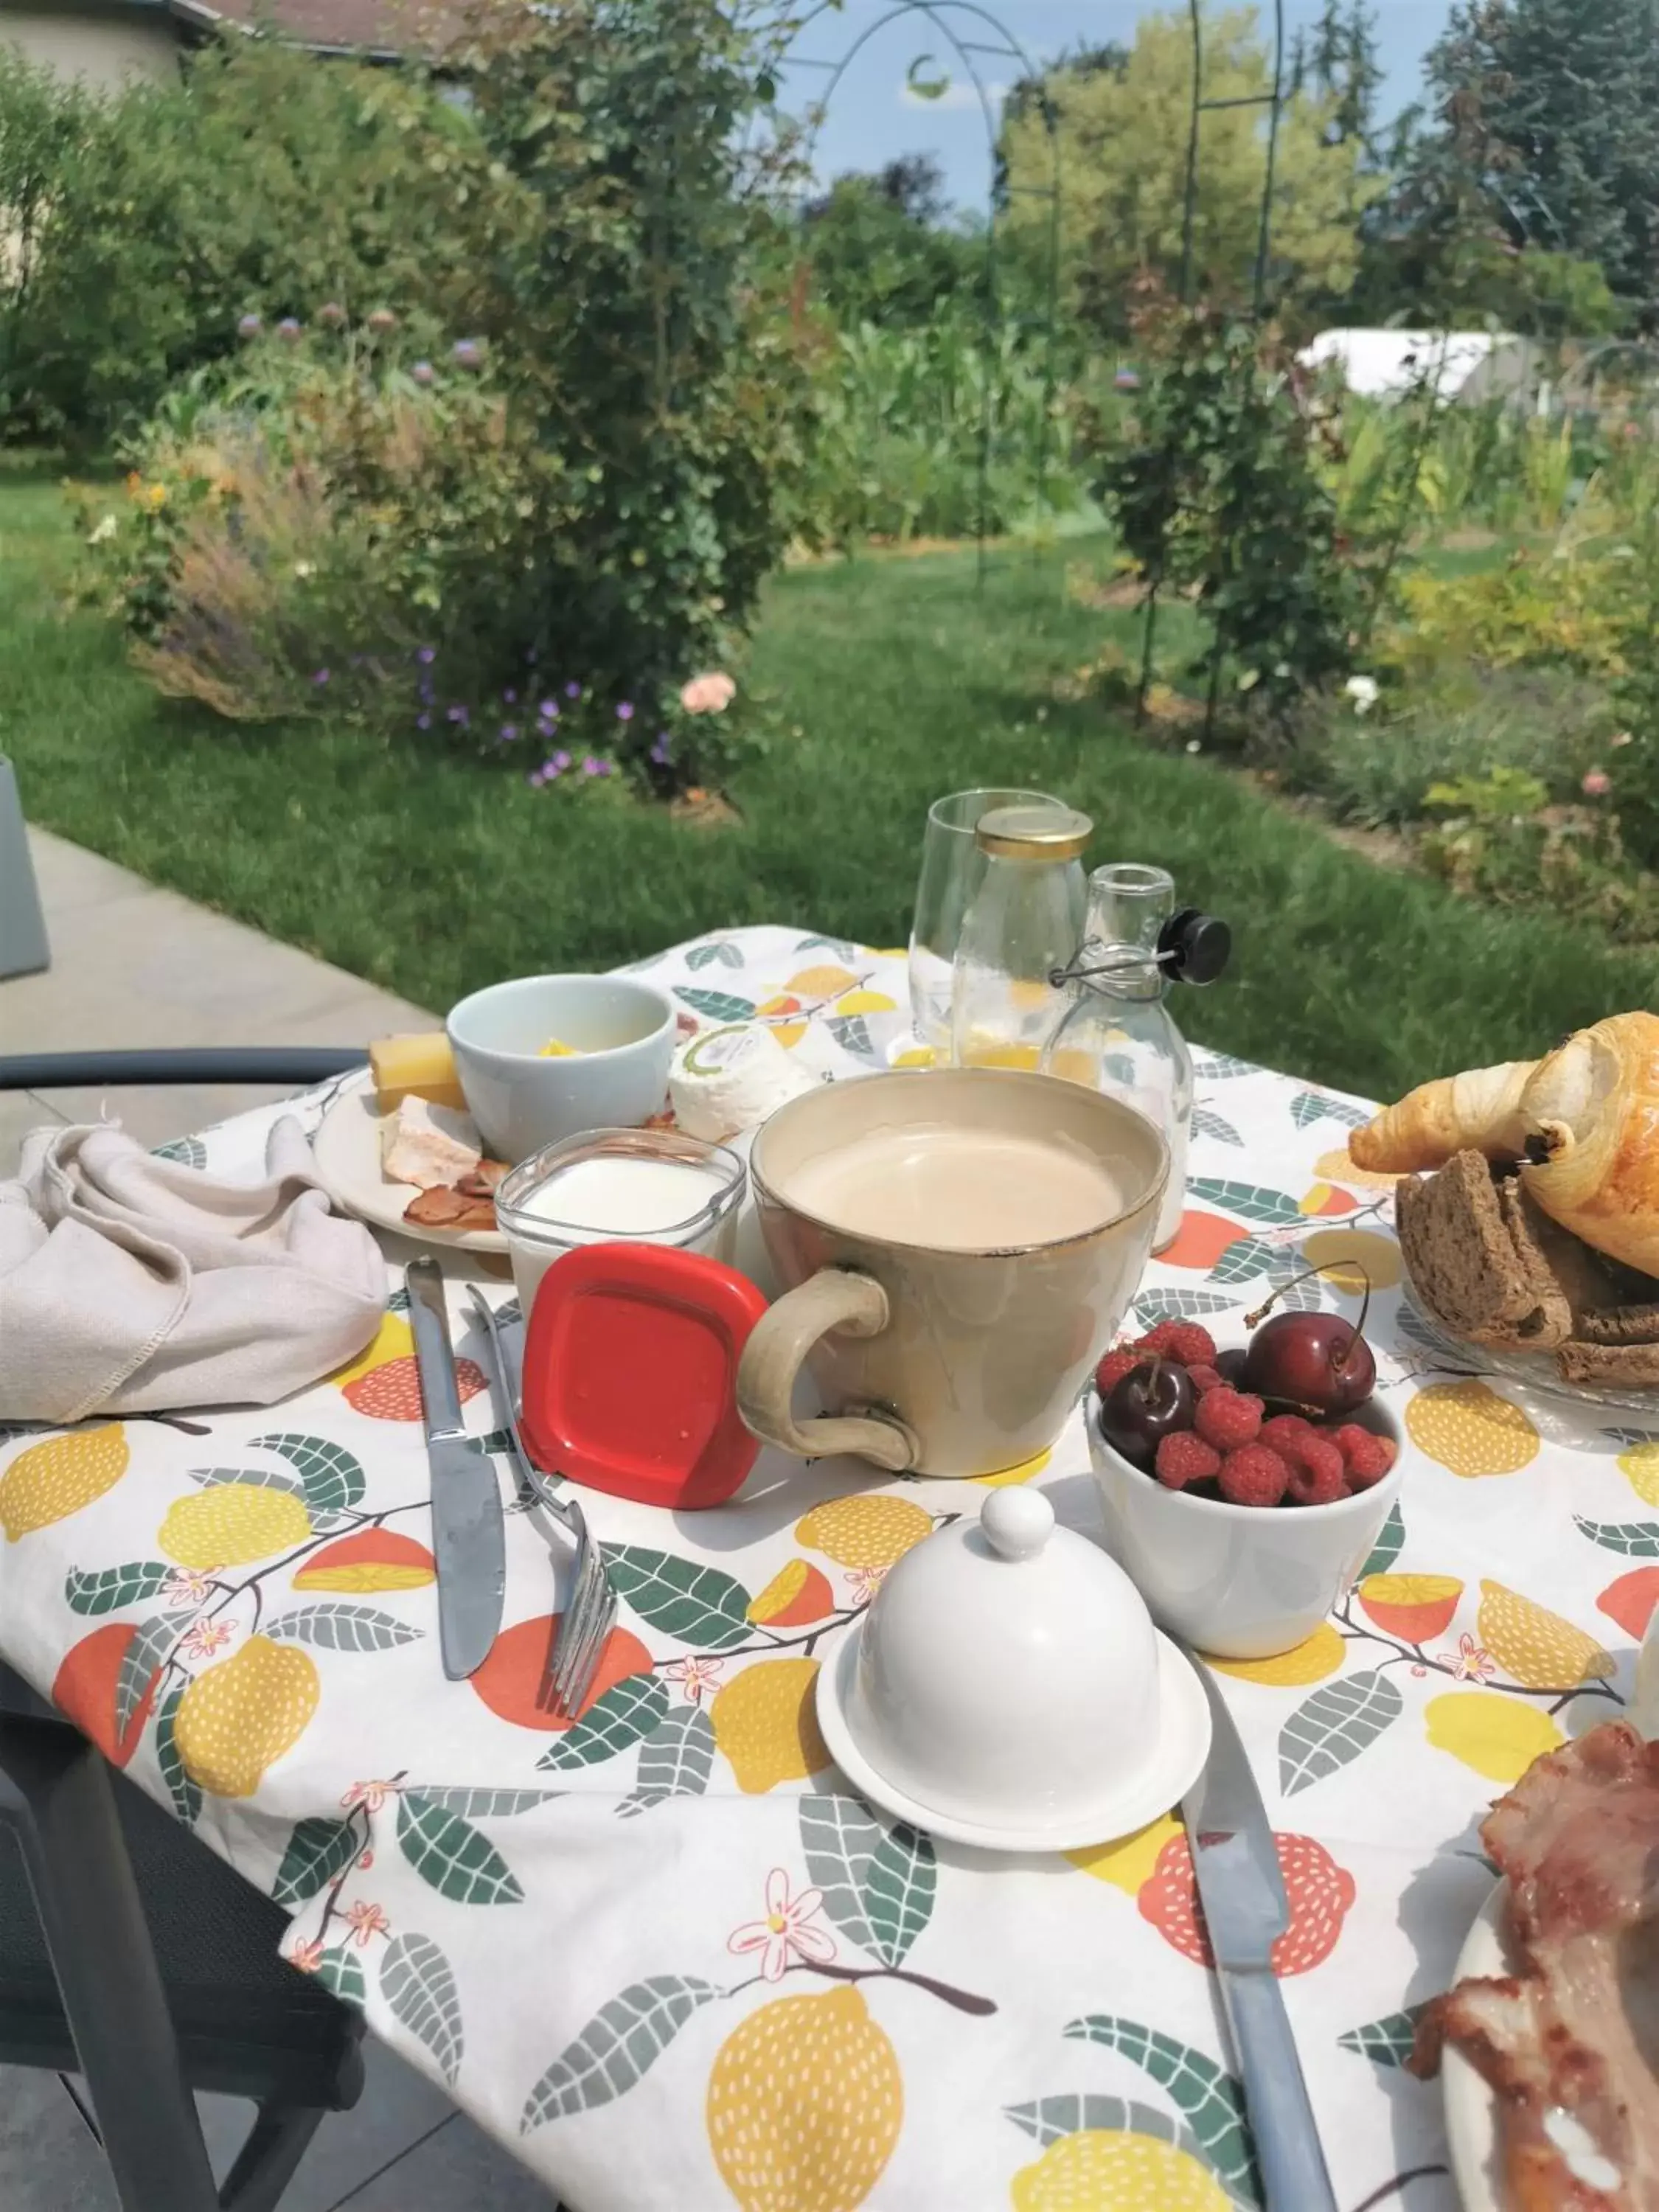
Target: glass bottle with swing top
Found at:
x=1120, y=1036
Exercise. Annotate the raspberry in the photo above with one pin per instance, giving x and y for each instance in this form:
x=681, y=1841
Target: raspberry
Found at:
x=1253, y=1476
x=1157, y=1339
x=1186, y=1341
x=1116, y=1364
x=1203, y=1379
x=1283, y=1432
x=1366, y=1456
x=1227, y=1419
x=1183, y=1458
x=1318, y=1476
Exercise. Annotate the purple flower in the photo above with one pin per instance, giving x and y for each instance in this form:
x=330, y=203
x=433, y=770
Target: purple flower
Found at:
x=321, y=676
x=459, y=715
x=424, y=721
x=625, y=711
x=607, y=768
x=289, y=328
x=659, y=751
x=590, y=766
x=530, y=656
x=573, y=691
x=548, y=710
x=424, y=689
x=332, y=313
x=511, y=698
x=536, y=778
x=422, y=372
x=559, y=762
x=250, y=326
x=427, y=655
x=469, y=353
x=509, y=731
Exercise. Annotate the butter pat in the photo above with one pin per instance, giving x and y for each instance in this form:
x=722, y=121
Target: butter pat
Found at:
x=415, y=1067
x=727, y=1080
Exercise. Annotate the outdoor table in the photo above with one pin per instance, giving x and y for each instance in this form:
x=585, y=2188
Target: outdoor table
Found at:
x=663, y=1953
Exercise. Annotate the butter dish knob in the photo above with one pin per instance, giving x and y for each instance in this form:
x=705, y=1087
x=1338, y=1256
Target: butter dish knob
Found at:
x=1017, y=1523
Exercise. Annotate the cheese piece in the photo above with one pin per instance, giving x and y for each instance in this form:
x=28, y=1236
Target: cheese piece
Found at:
x=727, y=1080
x=428, y=1146
x=415, y=1067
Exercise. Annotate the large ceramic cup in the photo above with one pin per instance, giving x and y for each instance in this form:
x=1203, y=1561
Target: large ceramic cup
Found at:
x=946, y=1362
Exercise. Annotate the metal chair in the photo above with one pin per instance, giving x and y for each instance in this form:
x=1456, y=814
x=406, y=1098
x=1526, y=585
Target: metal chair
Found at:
x=128, y=1952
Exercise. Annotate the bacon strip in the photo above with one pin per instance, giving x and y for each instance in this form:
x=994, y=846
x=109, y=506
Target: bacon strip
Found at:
x=1576, y=2031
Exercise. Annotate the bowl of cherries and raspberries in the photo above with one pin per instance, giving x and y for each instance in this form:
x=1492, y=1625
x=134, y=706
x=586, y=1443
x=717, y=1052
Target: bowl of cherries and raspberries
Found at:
x=1244, y=1488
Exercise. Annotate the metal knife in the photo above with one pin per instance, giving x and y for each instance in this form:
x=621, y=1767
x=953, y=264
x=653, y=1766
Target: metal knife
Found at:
x=1245, y=1910
x=468, y=1539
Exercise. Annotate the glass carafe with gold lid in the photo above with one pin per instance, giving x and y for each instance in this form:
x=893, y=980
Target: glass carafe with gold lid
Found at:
x=1022, y=929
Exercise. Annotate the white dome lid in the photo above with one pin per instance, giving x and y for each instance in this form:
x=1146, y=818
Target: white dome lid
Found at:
x=1008, y=1670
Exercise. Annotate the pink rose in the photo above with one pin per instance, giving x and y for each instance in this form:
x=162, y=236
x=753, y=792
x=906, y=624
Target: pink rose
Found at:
x=1597, y=783
x=708, y=695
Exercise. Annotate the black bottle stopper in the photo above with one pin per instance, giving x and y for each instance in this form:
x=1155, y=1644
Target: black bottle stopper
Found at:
x=1194, y=947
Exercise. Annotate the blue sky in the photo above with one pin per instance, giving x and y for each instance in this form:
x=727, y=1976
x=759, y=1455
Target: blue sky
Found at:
x=874, y=116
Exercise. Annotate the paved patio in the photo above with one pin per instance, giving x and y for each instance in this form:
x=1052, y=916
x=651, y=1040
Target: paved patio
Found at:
x=133, y=966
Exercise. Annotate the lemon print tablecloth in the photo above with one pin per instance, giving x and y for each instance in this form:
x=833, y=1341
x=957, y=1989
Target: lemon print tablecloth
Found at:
x=664, y=1952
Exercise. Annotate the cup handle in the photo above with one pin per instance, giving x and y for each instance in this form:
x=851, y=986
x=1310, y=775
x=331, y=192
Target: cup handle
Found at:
x=836, y=1298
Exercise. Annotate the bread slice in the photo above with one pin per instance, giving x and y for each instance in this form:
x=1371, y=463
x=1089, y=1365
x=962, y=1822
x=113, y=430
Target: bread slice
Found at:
x=1572, y=1281
x=1623, y=1367
x=1465, y=1263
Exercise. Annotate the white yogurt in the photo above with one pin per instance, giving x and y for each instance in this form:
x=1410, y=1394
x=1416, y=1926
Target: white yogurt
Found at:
x=631, y=1191
x=621, y=1196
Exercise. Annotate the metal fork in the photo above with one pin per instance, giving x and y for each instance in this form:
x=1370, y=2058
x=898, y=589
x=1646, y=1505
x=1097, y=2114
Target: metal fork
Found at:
x=588, y=1618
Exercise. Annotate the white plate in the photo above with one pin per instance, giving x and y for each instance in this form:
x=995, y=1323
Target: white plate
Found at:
x=346, y=1148
x=1536, y=1370
x=1182, y=1746
x=1471, y=2106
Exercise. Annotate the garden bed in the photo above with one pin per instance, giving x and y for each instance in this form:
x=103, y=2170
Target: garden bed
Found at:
x=431, y=871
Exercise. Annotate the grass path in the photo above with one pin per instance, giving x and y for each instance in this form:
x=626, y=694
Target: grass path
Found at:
x=432, y=874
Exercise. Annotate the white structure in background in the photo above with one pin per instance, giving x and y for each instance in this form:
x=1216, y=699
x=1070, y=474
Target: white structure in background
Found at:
x=1385, y=364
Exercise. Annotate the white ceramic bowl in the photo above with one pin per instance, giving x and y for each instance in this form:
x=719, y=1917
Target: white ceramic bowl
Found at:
x=623, y=1032
x=1240, y=1582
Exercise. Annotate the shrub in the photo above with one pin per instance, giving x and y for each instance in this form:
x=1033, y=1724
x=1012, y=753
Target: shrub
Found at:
x=259, y=180
x=1219, y=494
x=322, y=518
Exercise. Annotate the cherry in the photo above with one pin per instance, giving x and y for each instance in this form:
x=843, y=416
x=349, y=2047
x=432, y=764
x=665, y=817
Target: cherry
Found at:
x=1151, y=1401
x=1315, y=1362
x=1229, y=1366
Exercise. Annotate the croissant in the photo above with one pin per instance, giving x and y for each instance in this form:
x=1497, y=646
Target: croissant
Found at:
x=1585, y=1117
x=1477, y=1111
x=1594, y=1105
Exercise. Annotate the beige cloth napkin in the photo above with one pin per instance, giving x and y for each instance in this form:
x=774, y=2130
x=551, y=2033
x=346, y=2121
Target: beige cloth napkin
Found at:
x=132, y=1284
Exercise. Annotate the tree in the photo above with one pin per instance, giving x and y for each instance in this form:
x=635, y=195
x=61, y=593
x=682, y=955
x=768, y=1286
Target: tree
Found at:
x=881, y=249
x=1548, y=116
x=1124, y=136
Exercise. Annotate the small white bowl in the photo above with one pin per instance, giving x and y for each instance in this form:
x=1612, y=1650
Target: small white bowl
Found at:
x=624, y=1032
x=1238, y=1582
x=1007, y=1690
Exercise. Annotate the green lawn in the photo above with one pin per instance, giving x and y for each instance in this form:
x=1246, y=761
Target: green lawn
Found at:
x=433, y=874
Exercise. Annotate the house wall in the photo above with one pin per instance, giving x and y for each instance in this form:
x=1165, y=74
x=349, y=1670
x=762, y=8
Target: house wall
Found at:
x=105, y=48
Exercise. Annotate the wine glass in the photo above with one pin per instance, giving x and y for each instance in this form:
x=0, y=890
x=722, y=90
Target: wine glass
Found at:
x=952, y=869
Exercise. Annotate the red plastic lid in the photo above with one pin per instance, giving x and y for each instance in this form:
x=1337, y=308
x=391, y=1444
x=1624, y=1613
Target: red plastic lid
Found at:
x=630, y=1372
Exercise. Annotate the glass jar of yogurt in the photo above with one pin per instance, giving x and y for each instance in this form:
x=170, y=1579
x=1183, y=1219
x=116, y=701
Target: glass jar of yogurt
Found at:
x=629, y=1186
